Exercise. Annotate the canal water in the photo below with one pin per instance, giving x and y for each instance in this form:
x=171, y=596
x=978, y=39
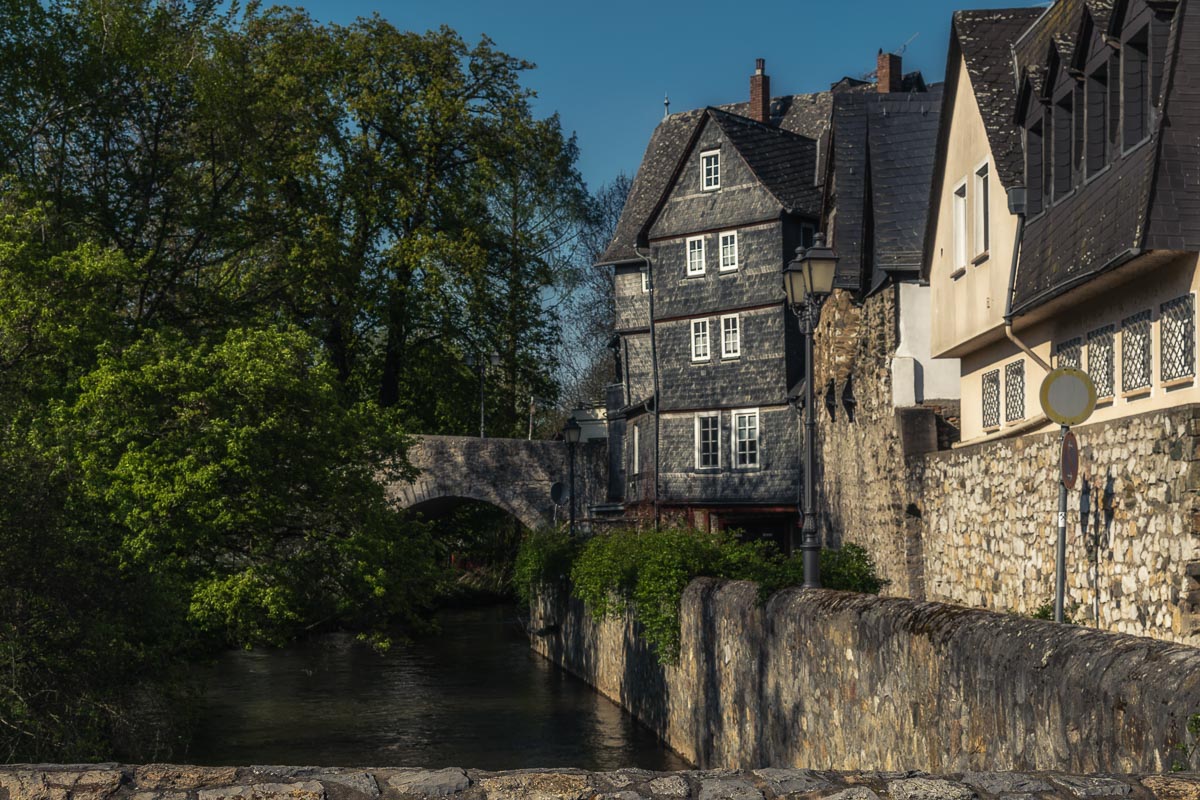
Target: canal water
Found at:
x=472, y=696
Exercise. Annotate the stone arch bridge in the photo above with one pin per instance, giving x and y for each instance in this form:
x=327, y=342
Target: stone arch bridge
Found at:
x=512, y=474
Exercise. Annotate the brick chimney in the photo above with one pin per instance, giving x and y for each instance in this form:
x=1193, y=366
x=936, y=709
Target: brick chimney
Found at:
x=888, y=74
x=760, y=92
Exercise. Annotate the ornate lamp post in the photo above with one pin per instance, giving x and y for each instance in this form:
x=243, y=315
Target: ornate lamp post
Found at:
x=482, y=362
x=571, y=432
x=808, y=280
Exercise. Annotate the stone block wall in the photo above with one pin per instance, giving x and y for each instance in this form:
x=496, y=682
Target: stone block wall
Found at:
x=865, y=494
x=831, y=680
x=990, y=515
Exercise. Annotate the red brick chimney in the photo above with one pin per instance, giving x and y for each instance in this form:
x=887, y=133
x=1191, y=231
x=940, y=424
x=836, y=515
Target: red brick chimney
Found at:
x=760, y=92
x=888, y=74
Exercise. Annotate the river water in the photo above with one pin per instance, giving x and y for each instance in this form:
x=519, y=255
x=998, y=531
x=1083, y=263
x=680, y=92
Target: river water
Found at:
x=473, y=696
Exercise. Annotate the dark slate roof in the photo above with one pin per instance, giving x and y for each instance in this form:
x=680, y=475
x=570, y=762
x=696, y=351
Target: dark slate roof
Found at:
x=1101, y=13
x=1149, y=198
x=884, y=149
x=804, y=114
x=985, y=39
x=784, y=162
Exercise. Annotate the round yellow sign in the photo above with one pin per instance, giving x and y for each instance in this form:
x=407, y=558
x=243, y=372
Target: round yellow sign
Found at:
x=1068, y=396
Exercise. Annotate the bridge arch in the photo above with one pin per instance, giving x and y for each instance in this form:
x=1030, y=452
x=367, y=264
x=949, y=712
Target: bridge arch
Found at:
x=512, y=474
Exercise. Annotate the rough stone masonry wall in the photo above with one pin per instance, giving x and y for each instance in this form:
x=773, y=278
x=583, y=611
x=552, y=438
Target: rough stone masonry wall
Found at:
x=990, y=521
x=864, y=487
x=832, y=680
x=170, y=782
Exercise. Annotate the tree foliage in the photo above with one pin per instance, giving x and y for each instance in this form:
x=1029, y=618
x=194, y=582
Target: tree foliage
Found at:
x=241, y=255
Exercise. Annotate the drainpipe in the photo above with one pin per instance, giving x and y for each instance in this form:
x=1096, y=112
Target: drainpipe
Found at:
x=1016, y=205
x=654, y=374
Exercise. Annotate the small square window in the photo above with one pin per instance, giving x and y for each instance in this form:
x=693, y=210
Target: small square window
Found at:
x=1014, y=391
x=1178, y=323
x=745, y=438
x=731, y=336
x=708, y=441
x=991, y=399
x=710, y=165
x=700, y=349
x=695, y=256
x=729, y=251
x=1100, y=357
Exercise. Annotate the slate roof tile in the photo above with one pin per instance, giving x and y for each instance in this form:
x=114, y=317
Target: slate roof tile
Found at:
x=784, y=162
x=804, y=114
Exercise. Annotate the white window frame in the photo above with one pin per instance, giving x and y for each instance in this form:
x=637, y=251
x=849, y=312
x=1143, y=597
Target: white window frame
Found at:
x=637, y=449
x=715, y=183
x=691, y=272
x=981, y=179
x=733, y=438
x=733, y=265
x=645, y=271
x=706, y=355
x=716, y=439
x=958, y=202
x=736, y=351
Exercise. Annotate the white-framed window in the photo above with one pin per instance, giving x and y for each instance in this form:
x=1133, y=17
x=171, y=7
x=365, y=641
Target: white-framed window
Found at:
x=695, y=256
x=710, y=170
x=744, y=438
x=700, y=348
x=637, y=450
x=731, y=336
x=982, y=232
x=729, y=251
x=708, y=440
x=959, y=200
x=645, y=280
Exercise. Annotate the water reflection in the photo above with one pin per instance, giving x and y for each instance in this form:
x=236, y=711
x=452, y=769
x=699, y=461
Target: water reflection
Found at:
x=475, y=696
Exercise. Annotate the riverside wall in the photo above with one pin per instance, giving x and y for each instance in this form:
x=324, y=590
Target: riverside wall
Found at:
x=830, y=680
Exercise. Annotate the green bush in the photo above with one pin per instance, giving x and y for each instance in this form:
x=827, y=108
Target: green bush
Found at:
x=646, y=572
x=544, y=559
x=1046, y=611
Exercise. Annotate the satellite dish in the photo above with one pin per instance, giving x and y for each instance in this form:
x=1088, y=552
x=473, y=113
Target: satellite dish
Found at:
x=559, y=494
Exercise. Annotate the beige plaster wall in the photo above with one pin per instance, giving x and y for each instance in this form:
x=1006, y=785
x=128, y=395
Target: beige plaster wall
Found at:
x=969, y=304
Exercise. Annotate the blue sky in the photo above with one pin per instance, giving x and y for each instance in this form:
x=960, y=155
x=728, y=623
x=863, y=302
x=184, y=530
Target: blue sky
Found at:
x=605, y=66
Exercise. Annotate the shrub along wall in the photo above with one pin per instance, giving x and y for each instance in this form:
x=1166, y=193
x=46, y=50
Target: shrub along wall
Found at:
x=833, y=680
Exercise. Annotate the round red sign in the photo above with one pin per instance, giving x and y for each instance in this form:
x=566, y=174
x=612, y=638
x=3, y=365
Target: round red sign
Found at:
x=1070, y=460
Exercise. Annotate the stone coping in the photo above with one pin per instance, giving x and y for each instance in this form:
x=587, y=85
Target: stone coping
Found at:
x=176, y=782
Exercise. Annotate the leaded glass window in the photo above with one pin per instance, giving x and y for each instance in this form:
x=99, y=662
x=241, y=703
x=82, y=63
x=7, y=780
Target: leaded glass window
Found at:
x=1070, y=353
x=1135, y=352
x=1100, y=360
x=1178, y=323
x=1014, y=391
x=991, y=399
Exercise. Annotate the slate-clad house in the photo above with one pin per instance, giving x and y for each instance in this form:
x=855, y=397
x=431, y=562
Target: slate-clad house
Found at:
x=1103, y=108
x=722, y=199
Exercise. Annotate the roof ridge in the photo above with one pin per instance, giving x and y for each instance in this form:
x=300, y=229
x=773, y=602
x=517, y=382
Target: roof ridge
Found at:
x=763, y=126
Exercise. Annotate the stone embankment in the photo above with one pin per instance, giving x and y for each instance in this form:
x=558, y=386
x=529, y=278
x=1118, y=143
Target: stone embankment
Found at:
x=167, y=782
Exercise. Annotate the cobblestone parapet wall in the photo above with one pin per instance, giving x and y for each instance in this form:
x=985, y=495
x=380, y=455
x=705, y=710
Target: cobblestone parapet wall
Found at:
x=167, y=782
x=831, y=680
x=989, y=524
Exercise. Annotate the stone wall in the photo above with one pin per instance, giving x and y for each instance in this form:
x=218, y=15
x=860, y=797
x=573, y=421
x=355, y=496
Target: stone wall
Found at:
x=990, y=521
x=170, y=782
x=865, y=493
x=831, y=680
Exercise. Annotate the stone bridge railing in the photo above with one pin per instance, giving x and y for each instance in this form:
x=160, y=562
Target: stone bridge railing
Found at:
x=513, y=474
x=166, y=782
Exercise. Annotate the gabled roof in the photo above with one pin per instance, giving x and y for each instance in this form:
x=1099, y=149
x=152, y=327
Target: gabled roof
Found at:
x=983, y=41
x=884, y=149
x=784, y=162
x=804, y=114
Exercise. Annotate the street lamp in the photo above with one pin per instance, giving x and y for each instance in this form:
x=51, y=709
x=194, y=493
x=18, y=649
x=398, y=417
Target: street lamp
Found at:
x=571, y=432
x=808, y=280
x=482, y=363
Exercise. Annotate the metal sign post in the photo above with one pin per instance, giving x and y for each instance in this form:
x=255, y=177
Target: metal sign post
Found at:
x=1068, y=397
